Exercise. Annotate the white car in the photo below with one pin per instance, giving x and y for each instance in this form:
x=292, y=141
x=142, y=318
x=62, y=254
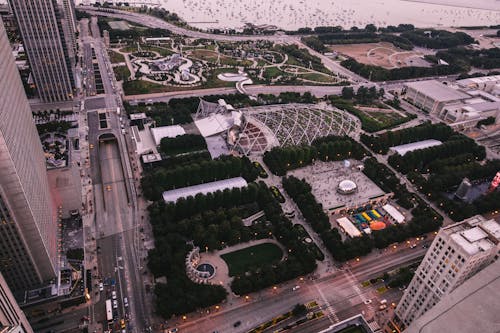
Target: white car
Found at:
x=125, y=302
x=296, y=288
x=113, y=295
x=101, y=287
x=115, y=304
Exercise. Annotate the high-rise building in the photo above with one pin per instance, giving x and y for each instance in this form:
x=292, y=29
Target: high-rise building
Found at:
x=471, y=307
x=47, y=28
x=458, y=252
x=28, y=232
x=12, y=319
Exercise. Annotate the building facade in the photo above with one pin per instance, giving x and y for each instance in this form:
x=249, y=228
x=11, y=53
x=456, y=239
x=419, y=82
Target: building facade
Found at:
x=28, y=231
x=47, y=28
x=12, y=319
x=458, y=252
x=471, y=307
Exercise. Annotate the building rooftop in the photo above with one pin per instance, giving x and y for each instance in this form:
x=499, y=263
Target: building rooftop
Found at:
x=220, y=185
x=475, y=235
x=166, y=132
x=406, y=148
x=138, y=116
x=394, y=213
x=473, y=81
x=348, y=227
x=472, y=307
x=437, y=90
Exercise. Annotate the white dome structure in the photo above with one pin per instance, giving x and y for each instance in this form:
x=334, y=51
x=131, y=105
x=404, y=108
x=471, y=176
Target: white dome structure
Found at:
x=347, y=186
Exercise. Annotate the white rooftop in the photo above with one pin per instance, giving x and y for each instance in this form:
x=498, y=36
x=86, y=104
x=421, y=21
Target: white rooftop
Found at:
x=479, y=80
x=137, y=116
x=213, y=124
x=394, y=213
x=220, y=185
x=403, y=149
x=475, y=234
x=348, y=227
x=437, y=91
x=166, y=132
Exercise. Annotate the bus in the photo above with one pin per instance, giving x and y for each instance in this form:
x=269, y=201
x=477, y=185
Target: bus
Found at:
x=109, y=312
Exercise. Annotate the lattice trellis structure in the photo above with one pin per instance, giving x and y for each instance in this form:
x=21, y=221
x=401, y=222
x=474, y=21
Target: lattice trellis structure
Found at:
x=206, y=109
x=291, y=124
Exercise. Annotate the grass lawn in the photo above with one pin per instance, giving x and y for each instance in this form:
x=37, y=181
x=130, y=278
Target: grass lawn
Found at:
x=116, y=57
x=137, y=87
x=272, y=72
x=121, y=72
x=242, y=260
x=207, y=55
x=382, y=289
x=318, y=77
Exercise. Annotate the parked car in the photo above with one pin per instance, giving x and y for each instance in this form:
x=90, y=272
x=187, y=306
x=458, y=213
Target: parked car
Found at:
x=236, y=324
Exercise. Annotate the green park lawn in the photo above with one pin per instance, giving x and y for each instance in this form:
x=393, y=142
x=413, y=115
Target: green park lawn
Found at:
x=242, y=260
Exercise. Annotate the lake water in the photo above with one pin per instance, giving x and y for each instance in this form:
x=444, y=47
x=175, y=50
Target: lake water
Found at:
x=293, y=14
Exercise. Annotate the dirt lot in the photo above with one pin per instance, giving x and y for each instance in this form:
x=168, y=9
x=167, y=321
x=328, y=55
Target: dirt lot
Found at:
x=381, y=54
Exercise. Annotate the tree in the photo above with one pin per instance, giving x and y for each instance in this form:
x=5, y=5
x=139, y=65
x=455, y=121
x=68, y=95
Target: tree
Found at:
x=370, y=28
x=396, y=102
x=299, y=310
x=347, y=93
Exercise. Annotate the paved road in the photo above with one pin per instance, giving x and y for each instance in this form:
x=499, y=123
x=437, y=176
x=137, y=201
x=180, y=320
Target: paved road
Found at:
x=318, y=91
x=115, y=198
x=340, y=294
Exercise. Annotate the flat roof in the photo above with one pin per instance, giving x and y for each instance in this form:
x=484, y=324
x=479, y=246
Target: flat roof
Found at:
x=471, y=307
x=348, y=227
x=406, y=148
x=213, y=124
x=394, y=213
x=437, y=91
x=472, y=234
x=220, y=185
x=166, y=132
x=137, y=116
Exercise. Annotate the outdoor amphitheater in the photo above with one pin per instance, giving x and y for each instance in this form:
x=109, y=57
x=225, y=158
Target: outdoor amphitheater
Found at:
x=289, y=124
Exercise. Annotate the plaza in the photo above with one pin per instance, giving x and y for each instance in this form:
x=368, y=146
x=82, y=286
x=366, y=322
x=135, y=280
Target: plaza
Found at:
x=325, y=177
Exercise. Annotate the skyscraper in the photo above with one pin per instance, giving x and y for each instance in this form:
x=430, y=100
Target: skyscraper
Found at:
x=458, y=252
x=47, y=30
x=28, y=232
x=471, y=307
x=12, y=319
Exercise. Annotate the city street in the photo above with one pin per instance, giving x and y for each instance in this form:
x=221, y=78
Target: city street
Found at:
x=340, y=294
x=119, y=258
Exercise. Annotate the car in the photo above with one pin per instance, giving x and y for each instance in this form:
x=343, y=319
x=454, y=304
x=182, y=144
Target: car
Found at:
x=125, y=302
x=101, y=286
x=115, y=304
x=412, y=246
x=296, y=288
x=236, y=324
x=113, y=295
x=383, y=307
x=122, y=324
x=173, y=330
x=368, y=301
x=425, y=246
